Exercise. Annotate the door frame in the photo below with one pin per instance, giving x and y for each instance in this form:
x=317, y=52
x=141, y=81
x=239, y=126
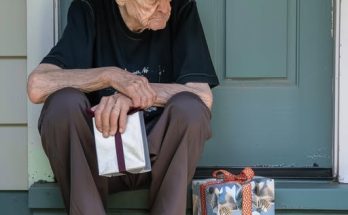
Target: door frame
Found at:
x=42, y=18
x=341, y=92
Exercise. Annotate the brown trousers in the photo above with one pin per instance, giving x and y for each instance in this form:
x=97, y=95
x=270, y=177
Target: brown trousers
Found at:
x=175, y=144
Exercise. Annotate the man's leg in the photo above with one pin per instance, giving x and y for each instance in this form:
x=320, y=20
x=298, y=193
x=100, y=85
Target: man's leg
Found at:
x=67, y=138
x=176, y=143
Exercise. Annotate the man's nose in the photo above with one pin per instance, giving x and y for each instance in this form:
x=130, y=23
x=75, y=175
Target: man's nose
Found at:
x=164, y=6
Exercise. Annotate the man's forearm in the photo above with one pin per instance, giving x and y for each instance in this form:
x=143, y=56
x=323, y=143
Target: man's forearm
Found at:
x=48, y=78
x=166, y=91
x=44, y=81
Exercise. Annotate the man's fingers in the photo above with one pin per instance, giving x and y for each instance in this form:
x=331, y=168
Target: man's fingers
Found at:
x=133, y=93
x=135, y=87
x=146, y=98
x=136, y=99
x=152, y=95
x=122, y=122
x=114, y=117
x=111, y=114
x=94, y=108
x=97, y=114
x=105, y=117
x=139, y=91
x=143, y=99
x=143, y=79
x=146, y=95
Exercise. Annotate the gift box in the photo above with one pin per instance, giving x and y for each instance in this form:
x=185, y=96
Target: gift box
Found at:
x=126, y=152
x=227, y=194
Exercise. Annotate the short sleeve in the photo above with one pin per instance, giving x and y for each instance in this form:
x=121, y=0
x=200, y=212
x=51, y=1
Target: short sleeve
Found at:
x=75, y=48
x=191, y=58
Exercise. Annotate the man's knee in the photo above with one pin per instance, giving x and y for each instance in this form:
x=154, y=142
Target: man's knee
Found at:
x=189, y=110
x=63, y=104
x=67, y=99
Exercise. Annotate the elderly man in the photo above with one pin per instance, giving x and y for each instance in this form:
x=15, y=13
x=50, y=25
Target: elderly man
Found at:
x=115, y=55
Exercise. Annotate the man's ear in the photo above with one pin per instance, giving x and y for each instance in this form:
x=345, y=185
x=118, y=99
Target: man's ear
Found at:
x=121, y=2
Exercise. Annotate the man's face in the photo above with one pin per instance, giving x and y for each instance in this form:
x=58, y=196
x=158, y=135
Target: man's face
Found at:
x=151, y=14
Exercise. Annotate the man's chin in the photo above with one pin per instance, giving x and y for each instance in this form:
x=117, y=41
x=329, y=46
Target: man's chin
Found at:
x=155, y=26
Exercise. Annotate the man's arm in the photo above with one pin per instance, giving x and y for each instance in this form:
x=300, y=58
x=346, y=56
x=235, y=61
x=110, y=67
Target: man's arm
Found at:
x=48, y=78
x=166, y=91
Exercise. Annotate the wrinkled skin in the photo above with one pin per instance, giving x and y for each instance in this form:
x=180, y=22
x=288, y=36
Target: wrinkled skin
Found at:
x=145, y=14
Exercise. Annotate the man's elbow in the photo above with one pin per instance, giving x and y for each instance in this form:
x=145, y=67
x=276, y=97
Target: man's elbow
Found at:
x=204, y=92
x=207, y=95
x=209, y=99
x=33, y=93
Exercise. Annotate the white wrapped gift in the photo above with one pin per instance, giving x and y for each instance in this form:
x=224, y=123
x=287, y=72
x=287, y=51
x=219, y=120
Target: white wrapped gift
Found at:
x=127, y=152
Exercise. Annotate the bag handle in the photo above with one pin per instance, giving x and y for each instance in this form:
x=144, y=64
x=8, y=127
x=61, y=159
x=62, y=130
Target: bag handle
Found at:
x=246, y=175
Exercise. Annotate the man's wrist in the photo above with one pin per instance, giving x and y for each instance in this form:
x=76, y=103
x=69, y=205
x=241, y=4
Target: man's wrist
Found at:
x=108, y=76
x=105, y=77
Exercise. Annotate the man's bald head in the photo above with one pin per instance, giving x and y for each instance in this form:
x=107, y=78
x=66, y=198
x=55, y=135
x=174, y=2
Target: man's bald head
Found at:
x=145, y=14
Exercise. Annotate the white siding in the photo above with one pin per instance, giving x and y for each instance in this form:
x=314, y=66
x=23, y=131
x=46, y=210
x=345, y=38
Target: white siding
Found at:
x=13, y=28
x=13, y=115
x=13, y=159
x=13, y=91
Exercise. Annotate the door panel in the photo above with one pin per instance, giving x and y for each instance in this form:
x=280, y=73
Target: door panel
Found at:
x=275, y=63
x=260, y=38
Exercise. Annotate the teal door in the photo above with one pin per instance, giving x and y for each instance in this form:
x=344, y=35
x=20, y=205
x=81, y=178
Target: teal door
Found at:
x=274, y=59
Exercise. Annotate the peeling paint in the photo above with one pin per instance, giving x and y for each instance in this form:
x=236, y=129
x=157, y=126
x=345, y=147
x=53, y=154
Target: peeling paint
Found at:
x=282, y=165
x=321, y=153
x=318, y=156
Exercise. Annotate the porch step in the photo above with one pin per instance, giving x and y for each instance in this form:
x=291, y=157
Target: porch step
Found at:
x=290, y=195
x=48, y=196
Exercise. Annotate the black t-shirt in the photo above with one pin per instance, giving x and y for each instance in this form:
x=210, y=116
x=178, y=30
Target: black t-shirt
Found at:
x=96, y=36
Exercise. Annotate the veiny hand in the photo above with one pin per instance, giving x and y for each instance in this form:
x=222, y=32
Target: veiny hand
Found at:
x=111, y=114
x=135, y=87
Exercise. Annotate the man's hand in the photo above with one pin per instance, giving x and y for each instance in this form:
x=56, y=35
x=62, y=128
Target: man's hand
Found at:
x=111, y=114
x=135, y=87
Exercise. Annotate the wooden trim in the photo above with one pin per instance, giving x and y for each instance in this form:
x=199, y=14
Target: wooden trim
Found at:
x=40, y=39
x=337, y=14
x=343, y=94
